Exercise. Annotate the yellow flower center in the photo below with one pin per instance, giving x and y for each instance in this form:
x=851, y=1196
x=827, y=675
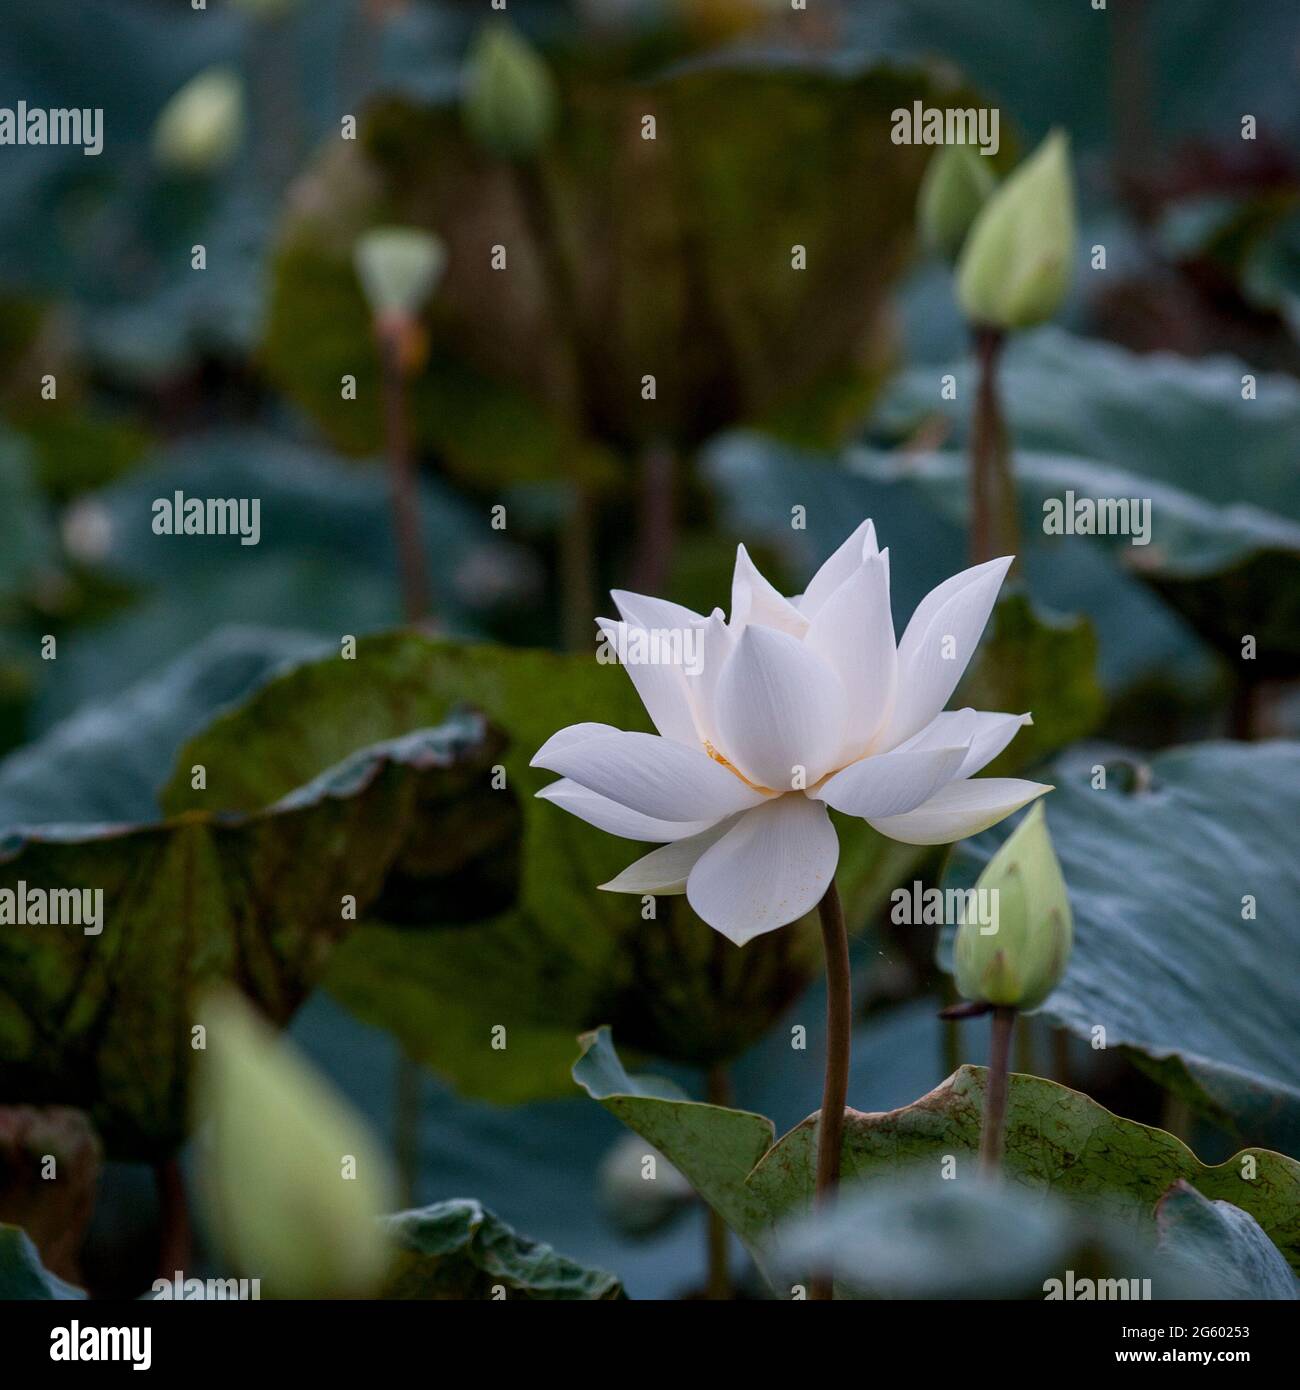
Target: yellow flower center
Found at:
x=731, y=767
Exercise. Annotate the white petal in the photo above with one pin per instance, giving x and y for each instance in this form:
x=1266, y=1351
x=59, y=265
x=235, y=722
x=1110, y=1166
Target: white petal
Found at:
x=716, y=643
x=614, y=819
x=992, y=734
x=986, y=733
x=854, y=632
x=960, y=809
x=931, y=604
x=652, y=775
x=570, y=737
x=946, y=730
x=770, y=868
x=890, y=784
x=956, y=610
x=779, y=707
x=660, y=683
x=841, y=566
x=641, y=610
x=755, y=600
x=666, y=869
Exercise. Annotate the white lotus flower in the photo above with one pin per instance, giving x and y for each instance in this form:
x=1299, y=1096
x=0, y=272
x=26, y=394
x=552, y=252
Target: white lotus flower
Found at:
x=791, y=706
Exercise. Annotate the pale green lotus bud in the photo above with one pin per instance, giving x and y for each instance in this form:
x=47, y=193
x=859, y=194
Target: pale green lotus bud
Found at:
x=509, y=102
x=202, y=125
x=1021, y=960
x=957, y=183
x=398, y=268
x=292, y=1181
x=1015, y=266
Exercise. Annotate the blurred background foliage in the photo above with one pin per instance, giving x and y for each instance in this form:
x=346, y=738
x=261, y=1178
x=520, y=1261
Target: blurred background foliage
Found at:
x=775, y=388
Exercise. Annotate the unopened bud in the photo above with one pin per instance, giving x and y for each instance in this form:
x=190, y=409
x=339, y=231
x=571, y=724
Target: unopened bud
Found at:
x=509, y=97
x=398, y=268
x=202, y=125
x=1015, y=265
x=1022, y=961
x=292, y=1179
x=957, y=183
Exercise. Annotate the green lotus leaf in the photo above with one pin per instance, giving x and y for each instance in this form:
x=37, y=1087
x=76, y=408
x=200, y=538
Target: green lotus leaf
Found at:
x=458, y=1249
x=1057, y=1139
x=1182, y=871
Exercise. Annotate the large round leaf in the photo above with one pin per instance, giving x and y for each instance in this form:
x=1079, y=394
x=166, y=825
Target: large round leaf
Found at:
x=1183, y=874
x=1183, y=435
x=324, y=561
x=1226, y=1242
x=1190, y=424
x=1056, y=1139
x=458, y=1249
x=98, y=1014
x=741, y=258
x=918, y=1235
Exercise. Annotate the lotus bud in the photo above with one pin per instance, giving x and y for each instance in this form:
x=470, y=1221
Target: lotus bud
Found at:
x=1015, y=266
x=398, y=268
x=292, y=1181
x=509, y=103
x=202, y=125
x=1021, y=961
x=957, y=183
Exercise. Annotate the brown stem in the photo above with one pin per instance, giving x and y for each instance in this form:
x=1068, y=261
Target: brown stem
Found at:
x=572, y=371
x=719, y=1092
x=1245, y=716
x=405, y=496
x=175, y=1244
x=655, y=531
x=993, y=1133
x=1130, y=106
x=403, y=483
x=994, y=523
x=839, y=1009
x=406, y=1126
x=950, y=1057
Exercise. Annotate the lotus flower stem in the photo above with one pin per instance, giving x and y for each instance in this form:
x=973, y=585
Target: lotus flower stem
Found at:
x=175, y=1243
x=572, y=369
x=993, y=517
x=1130, y=100
x=719, y=1092
x=406, y=1125
x=993, y=1134
x=951, y=1047
x=405, y=494
x=655, y=538
x=402, y=477
x=1246, y=717
x=839, y=1010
